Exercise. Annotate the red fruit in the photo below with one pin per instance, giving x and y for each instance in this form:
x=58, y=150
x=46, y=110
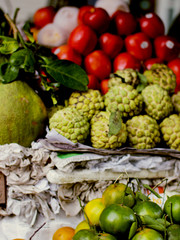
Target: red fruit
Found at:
x=98, y=64
x=152, y=25
x=104, y=86
x=82, y=11
x=126, y=60
x=68, y=53
x=96, y=18
x=43, y=16
x=93, y=82
x=83, y=39
x=175, y=66
x=111, y=44
x=149, y=62
x=139, y=45
x=166, y=47
x=125, y=22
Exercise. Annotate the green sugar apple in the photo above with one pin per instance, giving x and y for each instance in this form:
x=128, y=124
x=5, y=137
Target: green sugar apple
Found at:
x=125, y=99
x=71, y=124
x=88, y=102
x=143, y=132
x=170, y=129
x=100, y=132
x=162, y=75
x=157, y=101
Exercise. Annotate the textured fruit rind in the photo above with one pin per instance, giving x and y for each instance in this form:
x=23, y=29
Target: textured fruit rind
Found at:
x=157, y=102
x=170, y=128
x=100, y=130
x=71, y=124
x=23, y=114
x=125, y=99
x=143, y=132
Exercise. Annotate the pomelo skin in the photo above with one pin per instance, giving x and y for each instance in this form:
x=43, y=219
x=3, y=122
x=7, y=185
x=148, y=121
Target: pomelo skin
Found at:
x=22, y=114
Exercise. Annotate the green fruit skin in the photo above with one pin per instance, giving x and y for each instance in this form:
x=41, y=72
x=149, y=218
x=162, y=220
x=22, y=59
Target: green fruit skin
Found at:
x=149, y=208
x=84, y=234
x=174, y=203
x=173, y=232
x=23, y=114
x=148, y=234
x=116, y=218
x=118, y=193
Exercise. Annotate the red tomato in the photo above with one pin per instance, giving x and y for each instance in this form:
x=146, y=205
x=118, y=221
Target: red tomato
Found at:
x=98, y=64
x=104, y=86
x=175, y=66
x=111, y=44
x=82, y=11
x=166, y=47
x=125, y=23
x=97, y=18
x=43, y=16
x=68, y=53
x=83, y=39
x=93, y=82
x=139, y=45
x=125, y=60
x=149, y=62
x=152, y=25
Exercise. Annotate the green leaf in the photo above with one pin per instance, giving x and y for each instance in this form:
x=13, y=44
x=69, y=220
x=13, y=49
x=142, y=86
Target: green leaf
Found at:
x=68, y=74
x=23, y=59
x=26, y=30
x=8, y=73
x=133, y=230
x=115, y=123
x=153, y=223
x=151, y=190
x=8, y=45
x=143, y=82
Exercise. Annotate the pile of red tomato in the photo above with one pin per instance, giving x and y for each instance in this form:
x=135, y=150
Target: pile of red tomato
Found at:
x=102, y=44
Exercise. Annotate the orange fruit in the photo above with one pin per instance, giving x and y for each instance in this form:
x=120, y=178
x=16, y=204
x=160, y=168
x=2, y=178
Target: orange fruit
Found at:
x=64, y=233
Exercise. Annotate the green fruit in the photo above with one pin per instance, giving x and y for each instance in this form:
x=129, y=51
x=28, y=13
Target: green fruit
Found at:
x=100, y=137
x=128, y=75
x=125, y=99
x=118, y=193
x=170, y=129
x=162, y=75
x=173, y=232
x=148, y=208
x=87, y=103
x=148, y=234
x=117, y=219
x=172, y=208
x=71, y=124
x=143, y=132
x=23, y=114
x=157, y=101
x=84, y=234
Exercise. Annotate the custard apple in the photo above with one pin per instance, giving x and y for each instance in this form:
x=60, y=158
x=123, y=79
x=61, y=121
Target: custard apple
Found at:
x=53, y=109
x=176, y=102
x=162, y=75
x=157, y=101
x=124, y=98
x=100, y=137
x=69, y=123
x=88, y=102
x=128, y=75
x=143, y=132
x=170, y=129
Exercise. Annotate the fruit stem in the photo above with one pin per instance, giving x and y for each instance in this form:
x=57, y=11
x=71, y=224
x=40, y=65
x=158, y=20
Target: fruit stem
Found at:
x=37, y=231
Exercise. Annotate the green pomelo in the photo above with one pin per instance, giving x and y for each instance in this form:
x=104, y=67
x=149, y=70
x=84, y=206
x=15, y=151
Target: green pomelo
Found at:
x=22, y=114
